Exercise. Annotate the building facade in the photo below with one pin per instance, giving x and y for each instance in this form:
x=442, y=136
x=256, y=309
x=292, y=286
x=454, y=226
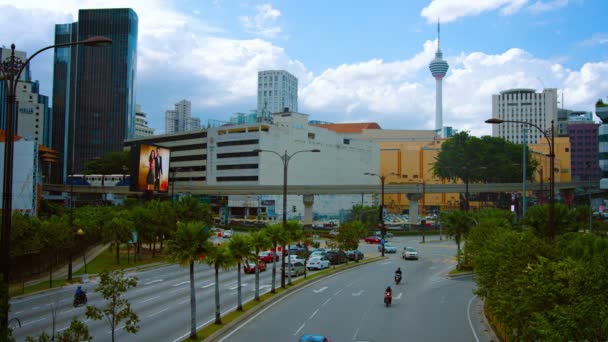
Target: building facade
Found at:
x=180, y=118
x=277, y=90
x=524, y=105
x=584, y=150
x=141, y=124
x=601, y=111
x=33, y=113
x=94, y=88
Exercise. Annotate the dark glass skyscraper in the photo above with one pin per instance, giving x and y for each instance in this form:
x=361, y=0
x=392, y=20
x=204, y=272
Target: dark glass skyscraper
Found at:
x=93, y=88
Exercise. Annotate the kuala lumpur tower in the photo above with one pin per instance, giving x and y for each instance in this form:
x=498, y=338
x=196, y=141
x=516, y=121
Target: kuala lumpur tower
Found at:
x=439, y=68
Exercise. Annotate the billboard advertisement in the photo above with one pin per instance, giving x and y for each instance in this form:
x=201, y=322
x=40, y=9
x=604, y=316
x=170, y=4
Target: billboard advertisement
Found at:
x=25, y=176
x=150, y=168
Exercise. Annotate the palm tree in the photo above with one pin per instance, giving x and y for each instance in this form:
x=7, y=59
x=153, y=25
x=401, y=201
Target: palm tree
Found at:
x=189, y=243
x=259, y=242
x=293, y=233
x=277, y=237
x=219, y=258
x=457, y=224
x=240, y=247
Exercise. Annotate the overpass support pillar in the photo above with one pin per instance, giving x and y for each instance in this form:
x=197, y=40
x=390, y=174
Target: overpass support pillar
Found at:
x=309, y=200
x=414, y=217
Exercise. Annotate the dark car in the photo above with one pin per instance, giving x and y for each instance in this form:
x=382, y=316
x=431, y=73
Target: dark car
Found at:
x=336, y=257
x=299, y=250
x=354, y=255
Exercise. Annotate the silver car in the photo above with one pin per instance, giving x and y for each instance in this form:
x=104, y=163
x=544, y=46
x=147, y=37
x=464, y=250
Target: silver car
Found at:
x=410, y=253
x=388, y=248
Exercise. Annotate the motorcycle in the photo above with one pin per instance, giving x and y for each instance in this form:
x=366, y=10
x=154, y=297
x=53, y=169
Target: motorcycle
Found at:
x=397, y=278
x=80, y=300
x=388, y=298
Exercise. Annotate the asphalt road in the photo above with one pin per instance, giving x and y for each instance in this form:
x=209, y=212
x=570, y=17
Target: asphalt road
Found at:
x=349, y=305
x=161, y=300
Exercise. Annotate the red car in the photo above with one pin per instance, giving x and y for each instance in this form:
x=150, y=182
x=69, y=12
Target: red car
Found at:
x=268, y=257
x=249, y=266
x=372, y=239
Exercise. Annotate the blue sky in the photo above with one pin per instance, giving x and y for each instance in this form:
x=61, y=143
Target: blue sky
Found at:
x=355, y=60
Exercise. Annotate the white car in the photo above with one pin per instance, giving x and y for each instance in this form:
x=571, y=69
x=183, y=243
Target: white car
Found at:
x=410, y=253
x=317, y=263
x=294, y=258
x=228, y=233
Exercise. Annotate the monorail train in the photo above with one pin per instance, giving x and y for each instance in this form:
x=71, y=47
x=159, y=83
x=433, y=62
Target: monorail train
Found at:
x=96, y=180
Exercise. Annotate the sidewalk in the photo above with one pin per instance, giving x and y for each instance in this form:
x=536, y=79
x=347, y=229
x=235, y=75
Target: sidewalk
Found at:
x=77, y=264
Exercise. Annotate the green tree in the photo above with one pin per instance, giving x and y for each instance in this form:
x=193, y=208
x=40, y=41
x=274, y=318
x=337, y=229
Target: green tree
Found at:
x=163, y=217
x=293, y=233
x=53, y=237
x=349, y=235
x=240, y=247
x=457, y=225
x=76, y=332
x=110, y=163
x=276, y=236
x=365, y=214
x=259, y=242
x=189, y=243
x=191, y=209
x=220, y=258
x=537, y=219
x=118, y=230
x=112, y=285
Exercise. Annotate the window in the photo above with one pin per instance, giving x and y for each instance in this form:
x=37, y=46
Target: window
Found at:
x=311, y=135
x=237, y=178
x=237, y=166
x=237, y=155
x=346, y=141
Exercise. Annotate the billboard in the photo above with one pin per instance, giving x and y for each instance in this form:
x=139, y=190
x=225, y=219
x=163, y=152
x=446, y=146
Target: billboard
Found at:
x=150, y=168
x=25, y=175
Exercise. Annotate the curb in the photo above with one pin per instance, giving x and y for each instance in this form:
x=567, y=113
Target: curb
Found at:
x=464, y=274
x=248, y=314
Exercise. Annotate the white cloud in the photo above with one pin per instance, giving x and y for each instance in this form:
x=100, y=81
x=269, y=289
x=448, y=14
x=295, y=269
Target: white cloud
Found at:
x=544, y=6
x=450, y=10
x=597, y=39
x=263, y=23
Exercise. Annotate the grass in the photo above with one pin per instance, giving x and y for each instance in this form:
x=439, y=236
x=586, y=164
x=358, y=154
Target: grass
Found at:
x=233, y=315
x=106, y=261
x=19, y=289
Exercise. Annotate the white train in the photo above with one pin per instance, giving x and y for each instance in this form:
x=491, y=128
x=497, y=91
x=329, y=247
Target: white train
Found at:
x=96, y=180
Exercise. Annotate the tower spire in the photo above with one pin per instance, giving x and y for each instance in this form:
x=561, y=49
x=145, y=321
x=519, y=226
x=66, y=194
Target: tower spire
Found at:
x=438, y=34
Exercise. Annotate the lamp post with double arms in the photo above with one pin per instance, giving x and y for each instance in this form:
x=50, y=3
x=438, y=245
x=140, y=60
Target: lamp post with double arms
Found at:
x=285, y=158
x=10, y=71
x=550, y=136
x=381, y=211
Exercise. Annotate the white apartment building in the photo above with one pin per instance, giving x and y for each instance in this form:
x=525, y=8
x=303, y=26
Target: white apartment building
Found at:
x=141, y=124
x=524, y=105
x=176, y=119
x=32, y=113
x=277, y=90
x=192, y=124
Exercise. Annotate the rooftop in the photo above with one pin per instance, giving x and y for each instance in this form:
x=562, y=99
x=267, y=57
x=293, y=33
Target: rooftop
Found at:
x=357, y=127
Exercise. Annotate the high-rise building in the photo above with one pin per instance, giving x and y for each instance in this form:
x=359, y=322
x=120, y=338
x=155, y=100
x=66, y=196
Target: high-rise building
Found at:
x=94, y=87
x=180, y=119
x=141, y=124
x=277, y=90
x=584, y=150
x=524, y=105
x=601, y=110
x=439, y=68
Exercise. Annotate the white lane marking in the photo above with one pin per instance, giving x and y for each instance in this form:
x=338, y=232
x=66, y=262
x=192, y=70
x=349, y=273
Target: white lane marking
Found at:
x=38, y=320
x=236, y=287
x=386, y=263
x=264, y=286
x=357, y=294
x=355, y=335
x=182, y=283
x=153, y=281
x=300, y=328
x=149, y=299
x=327, y=301
x=62, y=329
x=35, y=307
x=184, y=301
x=206, y=286
x=313, y=314
x=320, y=290
x=337, y=292
x=350, y=284
x=398, y=296
x=230, y=284
x=469, y=317
x=156, y=313
x=16, y=313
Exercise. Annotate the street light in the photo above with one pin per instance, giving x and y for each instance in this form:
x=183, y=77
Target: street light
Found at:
x=551, y=142
x=80, y=233
x=10, y=71
x=285, y=158
x=381, y=211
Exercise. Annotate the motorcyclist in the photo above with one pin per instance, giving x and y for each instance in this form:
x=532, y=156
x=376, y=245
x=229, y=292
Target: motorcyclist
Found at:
x=80, y=294
x=388, y=290
x=398, y=271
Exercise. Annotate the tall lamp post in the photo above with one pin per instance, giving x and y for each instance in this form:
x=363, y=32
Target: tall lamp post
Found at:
x=381, y=211
x=285, y=158
x=10, y=71
x=551, y=142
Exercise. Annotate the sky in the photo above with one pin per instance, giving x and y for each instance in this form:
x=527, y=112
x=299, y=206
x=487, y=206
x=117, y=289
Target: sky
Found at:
x=356, y=61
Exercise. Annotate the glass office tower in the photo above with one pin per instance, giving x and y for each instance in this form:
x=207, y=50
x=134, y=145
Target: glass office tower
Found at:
x=93, y=88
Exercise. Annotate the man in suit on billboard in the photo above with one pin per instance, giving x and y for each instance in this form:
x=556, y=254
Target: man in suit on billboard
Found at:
x=158, y=169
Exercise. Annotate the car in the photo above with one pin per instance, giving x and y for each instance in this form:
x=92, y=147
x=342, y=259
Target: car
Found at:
x=388, y=248
x=249, y=266
x=372, y=239
x=297, y=268
x=354, y=255
x=300, y=250
x=294, y=258
x=228, y=233
x=317, y=262
x=336, y=257
x=314, y=338
x=268, y=256
x=334, y=232
x=409, y=253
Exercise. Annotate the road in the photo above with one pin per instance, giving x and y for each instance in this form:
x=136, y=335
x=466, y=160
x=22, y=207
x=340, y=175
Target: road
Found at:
x=161, y=300
x=349, y=305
